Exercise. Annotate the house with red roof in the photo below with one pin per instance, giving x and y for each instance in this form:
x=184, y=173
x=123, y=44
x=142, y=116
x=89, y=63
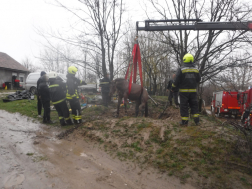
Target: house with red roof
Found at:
x=11, y=71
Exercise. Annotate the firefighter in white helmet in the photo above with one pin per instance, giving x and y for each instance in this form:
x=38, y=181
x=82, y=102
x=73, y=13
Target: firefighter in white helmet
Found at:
x=187, y=79
x=72, y=93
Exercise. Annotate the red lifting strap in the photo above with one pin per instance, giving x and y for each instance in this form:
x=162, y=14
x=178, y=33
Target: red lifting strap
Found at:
x=136, y=56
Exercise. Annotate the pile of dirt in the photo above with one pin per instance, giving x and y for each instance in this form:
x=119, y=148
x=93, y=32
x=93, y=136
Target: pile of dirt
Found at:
x=200, y=155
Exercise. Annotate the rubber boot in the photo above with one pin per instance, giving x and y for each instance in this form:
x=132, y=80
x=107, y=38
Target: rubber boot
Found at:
x=196, y=120
x=184, y=123
x=69, y=122
x=50, y=122
x=62, y=122
x=44, y=121
x=170, y=103
x=78, y=122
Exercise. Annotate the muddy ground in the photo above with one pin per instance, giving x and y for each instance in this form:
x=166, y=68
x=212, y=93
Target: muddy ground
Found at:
x=124, y=152
x=31, y=156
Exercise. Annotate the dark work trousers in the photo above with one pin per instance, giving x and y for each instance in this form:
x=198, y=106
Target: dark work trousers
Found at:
x=105, y=98
x=189, y=98
x=245, y=115
x=63, y=112
x=39, y=105
x=76, y=109
x=47, y=110
x=173, y=95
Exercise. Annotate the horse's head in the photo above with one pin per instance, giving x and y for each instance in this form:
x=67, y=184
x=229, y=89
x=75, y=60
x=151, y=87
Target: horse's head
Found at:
x=112, y=88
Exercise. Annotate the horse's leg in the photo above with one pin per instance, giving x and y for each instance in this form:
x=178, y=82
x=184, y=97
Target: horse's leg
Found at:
x=137, y=107
x=118, y=105
x=142, y=107
x=125, y=105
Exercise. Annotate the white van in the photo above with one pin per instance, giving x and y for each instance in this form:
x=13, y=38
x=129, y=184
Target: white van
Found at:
x=91, y=87
x=32, y=78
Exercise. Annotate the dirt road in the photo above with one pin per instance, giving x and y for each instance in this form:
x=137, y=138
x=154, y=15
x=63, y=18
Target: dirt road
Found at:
x=31, y=157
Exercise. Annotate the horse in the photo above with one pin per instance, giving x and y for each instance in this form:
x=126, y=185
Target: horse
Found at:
x=137, y=94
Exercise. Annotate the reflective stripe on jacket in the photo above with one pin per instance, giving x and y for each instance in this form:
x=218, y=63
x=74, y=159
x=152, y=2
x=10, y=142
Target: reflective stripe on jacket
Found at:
x=72, y=86
x=187, y=78
x=57, y=91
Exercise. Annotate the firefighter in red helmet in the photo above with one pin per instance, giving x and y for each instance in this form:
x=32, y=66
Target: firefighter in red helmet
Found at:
x=72, y=93
x=187, y=79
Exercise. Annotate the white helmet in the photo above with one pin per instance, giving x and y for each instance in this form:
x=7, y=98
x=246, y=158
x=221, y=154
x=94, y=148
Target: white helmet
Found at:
x=52, y=75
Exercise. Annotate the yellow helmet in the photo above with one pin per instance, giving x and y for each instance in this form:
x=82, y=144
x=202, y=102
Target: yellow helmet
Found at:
x=72, y=70
x=188, y=58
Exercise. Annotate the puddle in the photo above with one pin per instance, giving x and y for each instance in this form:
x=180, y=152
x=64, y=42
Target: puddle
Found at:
x=21, y=165
x=59, y=164
x=83, y=155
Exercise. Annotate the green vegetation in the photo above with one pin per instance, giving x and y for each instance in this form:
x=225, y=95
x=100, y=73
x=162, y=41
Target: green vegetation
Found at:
x=28, y=108
x=208, y=155
x=24, y=107
x=6, y=91
x=39, y=158
x=29, y=154
x=199, y=153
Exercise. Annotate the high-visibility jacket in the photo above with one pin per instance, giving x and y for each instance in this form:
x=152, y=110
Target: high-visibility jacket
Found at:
x=57, y=91
x=187, y=78
x=173, y=88
x=72, y=86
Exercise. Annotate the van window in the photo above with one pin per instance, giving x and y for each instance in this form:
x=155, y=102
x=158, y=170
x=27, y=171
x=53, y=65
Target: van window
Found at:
x=33, y=77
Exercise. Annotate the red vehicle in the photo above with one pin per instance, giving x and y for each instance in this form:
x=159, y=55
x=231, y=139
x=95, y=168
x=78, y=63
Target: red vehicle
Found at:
x=225, y=103
x=245, y=103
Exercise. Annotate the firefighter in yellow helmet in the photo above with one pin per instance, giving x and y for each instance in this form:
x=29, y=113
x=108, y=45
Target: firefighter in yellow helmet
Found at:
x=72, y=93
x=187, y=79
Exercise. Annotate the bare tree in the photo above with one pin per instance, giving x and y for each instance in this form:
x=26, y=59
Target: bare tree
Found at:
x=235, y=78
x=212, y=50
x=156, y=63
x=98, y=31
x=155, y=57
x=51, y=61
x=27, y=62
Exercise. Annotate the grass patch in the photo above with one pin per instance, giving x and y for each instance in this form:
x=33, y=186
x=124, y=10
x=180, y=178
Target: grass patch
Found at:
x=39, y=158
x=7, y=91
x=24, y=107
x=185, y=152
x=28, y=108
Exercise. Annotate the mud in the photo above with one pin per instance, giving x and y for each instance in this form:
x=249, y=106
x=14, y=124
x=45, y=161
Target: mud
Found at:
x=31, y=156
x=17, y=169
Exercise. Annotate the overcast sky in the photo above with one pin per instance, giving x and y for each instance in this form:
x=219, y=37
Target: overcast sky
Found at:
x=20, y=18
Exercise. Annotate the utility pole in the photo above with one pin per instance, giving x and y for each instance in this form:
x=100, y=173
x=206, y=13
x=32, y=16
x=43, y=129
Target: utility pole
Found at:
x=85, y=65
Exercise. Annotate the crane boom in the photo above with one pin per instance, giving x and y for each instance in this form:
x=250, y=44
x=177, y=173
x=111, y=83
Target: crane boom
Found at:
x=192, y=24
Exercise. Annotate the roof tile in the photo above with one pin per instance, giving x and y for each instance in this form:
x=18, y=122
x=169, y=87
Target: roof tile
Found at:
x=7, y=62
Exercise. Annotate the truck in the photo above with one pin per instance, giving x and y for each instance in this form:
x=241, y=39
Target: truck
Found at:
x=225, y=103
